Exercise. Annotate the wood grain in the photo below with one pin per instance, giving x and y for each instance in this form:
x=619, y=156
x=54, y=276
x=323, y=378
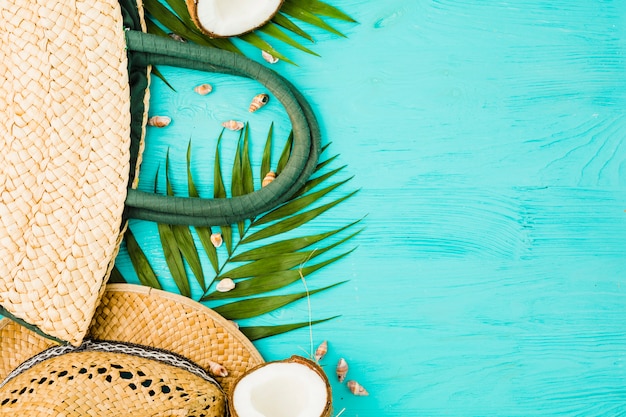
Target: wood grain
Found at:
x=487, y=139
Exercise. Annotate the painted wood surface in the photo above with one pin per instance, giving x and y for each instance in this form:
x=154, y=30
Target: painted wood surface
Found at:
x=487, y=141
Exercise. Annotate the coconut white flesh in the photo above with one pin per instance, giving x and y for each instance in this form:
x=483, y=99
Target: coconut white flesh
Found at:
x=234, y=17
x=280, y=390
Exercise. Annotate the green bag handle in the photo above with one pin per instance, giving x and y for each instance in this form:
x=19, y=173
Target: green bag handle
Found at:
x=151, y=49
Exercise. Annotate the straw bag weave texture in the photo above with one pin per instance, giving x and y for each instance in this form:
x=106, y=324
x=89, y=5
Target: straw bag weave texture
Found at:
x=64, y=150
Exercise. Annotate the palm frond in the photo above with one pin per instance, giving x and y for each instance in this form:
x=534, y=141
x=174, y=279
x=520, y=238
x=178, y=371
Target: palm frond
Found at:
x=140, y=262
x=259, y=332
x=173, y=16
x=259, y=270
x=256, y=306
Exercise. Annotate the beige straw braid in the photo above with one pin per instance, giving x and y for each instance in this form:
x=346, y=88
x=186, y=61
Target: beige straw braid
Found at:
x=109, y=384
x=149, y=317
x=64, y=144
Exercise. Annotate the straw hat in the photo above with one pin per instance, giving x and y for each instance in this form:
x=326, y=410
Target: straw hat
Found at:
x=157, y=343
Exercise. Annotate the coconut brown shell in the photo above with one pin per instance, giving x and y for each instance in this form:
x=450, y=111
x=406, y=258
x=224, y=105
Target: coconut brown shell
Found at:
x=192, y=6
x=328, y=409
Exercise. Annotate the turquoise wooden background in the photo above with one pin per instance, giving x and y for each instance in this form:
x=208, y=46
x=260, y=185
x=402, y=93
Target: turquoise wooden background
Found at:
x=487, y=141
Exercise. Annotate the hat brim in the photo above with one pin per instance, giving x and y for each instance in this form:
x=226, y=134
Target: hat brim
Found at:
x=154, y=318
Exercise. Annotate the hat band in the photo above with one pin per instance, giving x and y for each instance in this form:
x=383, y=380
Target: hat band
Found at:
x=145, y=352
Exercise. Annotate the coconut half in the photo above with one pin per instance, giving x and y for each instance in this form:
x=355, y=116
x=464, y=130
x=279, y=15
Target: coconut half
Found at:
x=295, y=387
x=225, y=18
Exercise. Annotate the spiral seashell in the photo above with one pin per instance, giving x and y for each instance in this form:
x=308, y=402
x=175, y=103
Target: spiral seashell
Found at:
x=233, y=125
x=216, y=239
x=269, y=57
x=203, y=89
x=216, y=369
x=321, y=350
x=342, y=369
x=258, y=101
x=356, y=388
x=159, y=121
x=225, y=285
x=271, y=176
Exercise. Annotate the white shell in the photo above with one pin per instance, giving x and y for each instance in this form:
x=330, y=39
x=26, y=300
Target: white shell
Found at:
x=269, y=57
x=217, y=369
x=203, y=89
x=321, y=350
x=258, y=101
x=269, y=177
x=225, y=285
x=233, y=125
x=159, y=121
x=342, y=369
x=356, y=388
x=216, y=239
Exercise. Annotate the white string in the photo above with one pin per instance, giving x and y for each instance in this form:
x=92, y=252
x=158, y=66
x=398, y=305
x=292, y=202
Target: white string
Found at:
x=308, y=300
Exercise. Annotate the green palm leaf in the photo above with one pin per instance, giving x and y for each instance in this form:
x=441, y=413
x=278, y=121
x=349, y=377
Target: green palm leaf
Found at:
x=259, y=269
x=325, y=9
x=286, y=246
x=314, y=182
x=204, y=233
x=171, y=251
x=140, y=262
x=279, y=263
x=283, y=21
x=254, y=39
x=291, y=223
x=297, y=204
x=259, y=332
x=173, y=259
x=246, y=167
x=274, y=31
x=219, y=191
x=284, y=156
x=184, y=239
x=116, y=277
x=186, y=29
x=254, y=307
x=238, y=181
x=266, y=160
x=300, y=11
x=175, y=18
x=270, y=282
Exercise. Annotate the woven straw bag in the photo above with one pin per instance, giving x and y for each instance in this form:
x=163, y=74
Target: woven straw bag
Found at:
x=75, y=99
x=154, y=362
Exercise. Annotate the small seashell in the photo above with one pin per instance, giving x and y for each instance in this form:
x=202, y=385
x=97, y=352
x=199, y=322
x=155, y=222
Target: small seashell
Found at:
x=258, y=101
x=216, y=239
x=159, y=121
x=234, y=323
x=321, y=350
x=233, y=125
x=342, y=369
x=176, y=37
x=225, y=285
x=356, y=388
x=217, y=370
x=203, y=89
x=271, y=176
x=269, y=57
